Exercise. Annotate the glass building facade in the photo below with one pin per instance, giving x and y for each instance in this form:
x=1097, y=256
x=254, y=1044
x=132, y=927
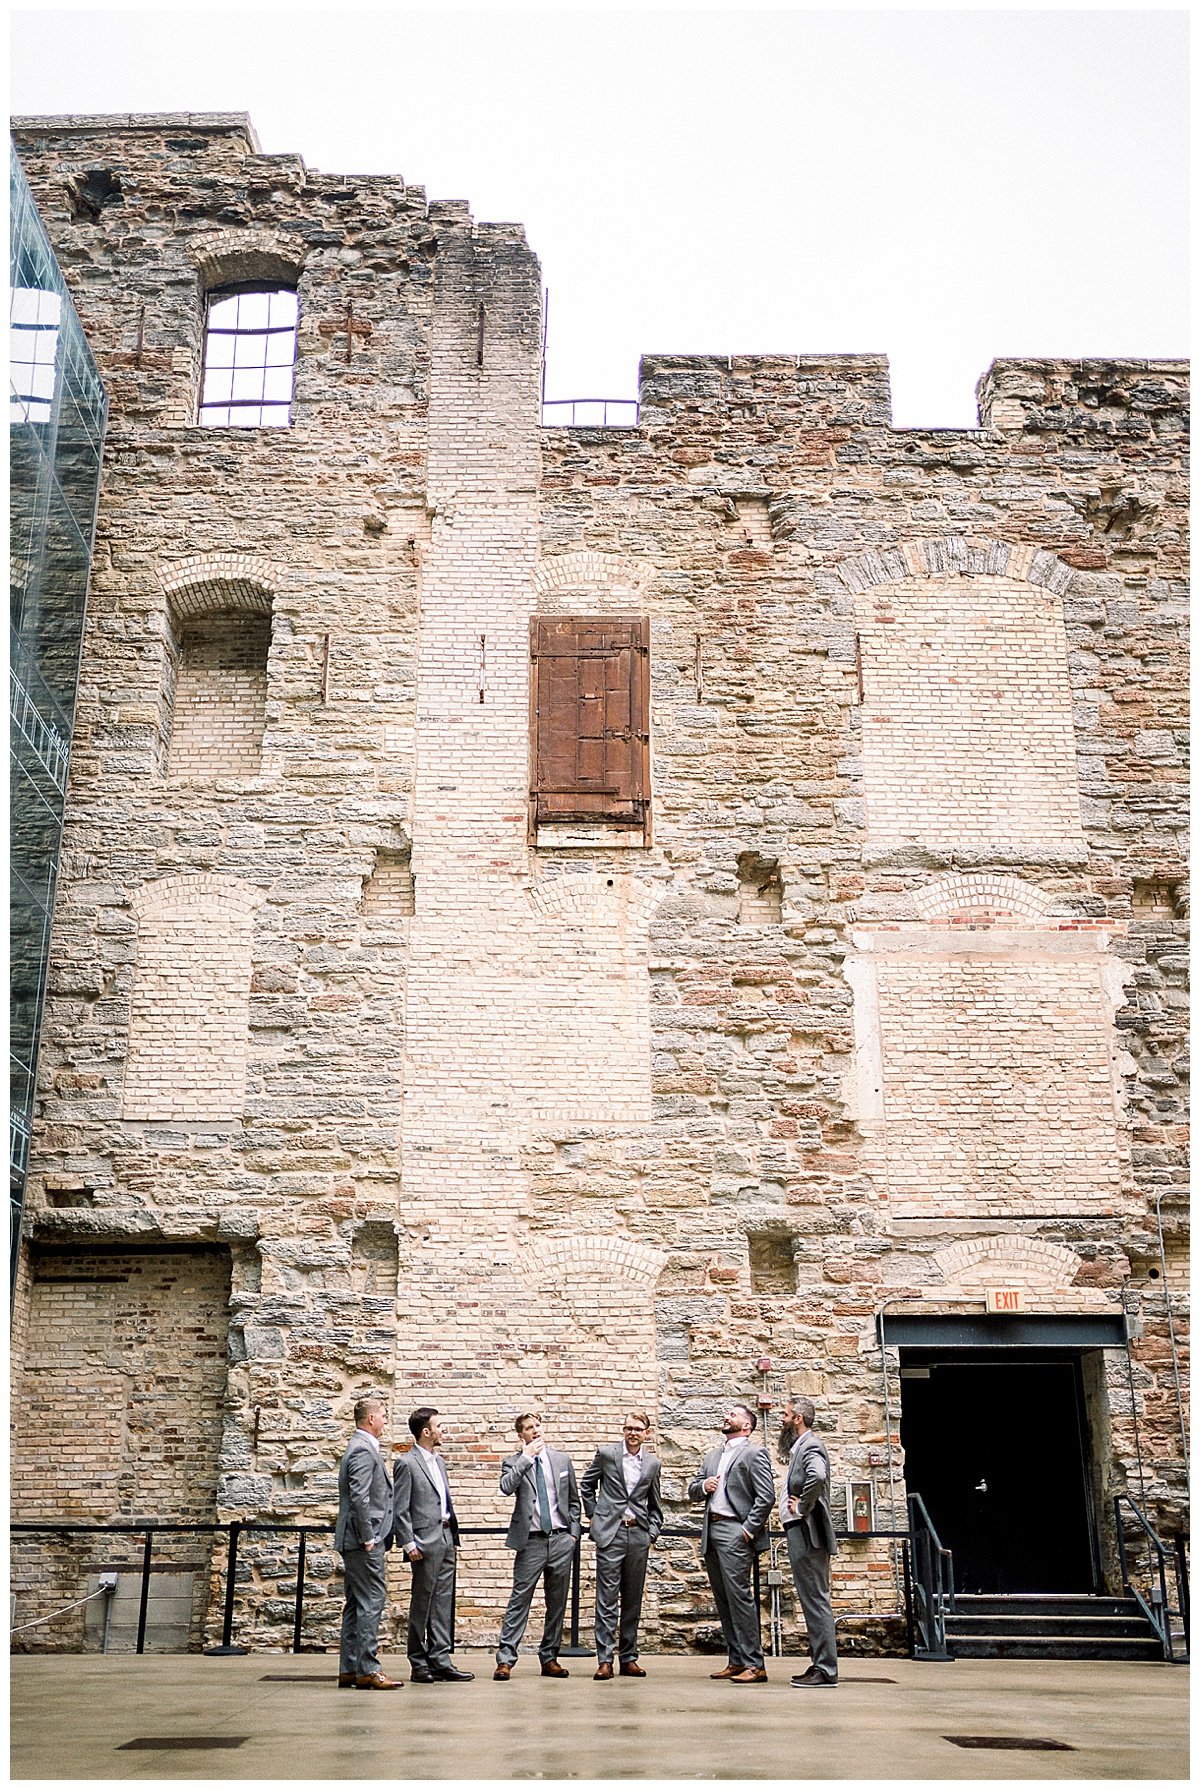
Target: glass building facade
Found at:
x=56, y=412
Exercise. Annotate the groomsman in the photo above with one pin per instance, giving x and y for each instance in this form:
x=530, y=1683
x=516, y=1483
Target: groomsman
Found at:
x=811, y=1541
x=362, y=1537
x=621, y=1500
x=426, y=1528
x=542, y=1532
x=737, y=1487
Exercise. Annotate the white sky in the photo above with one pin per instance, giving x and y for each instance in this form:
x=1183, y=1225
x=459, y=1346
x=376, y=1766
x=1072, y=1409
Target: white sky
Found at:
x=940, y=186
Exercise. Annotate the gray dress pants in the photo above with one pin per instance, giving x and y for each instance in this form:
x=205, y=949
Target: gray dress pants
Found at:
x=620, y=1575
x=430, y=1608
x=810, y=1575
x=548, y=1558
x=366, y=1594
x=730, y=1564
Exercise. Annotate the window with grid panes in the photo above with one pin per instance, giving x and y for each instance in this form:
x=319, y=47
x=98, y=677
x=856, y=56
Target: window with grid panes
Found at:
x=249, y=358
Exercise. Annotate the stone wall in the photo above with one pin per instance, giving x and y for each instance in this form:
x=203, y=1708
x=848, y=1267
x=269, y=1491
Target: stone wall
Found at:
x=575, y=1124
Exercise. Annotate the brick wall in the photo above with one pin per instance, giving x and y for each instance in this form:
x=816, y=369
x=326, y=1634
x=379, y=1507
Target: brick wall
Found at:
x=220, y=694
x=522, y=1145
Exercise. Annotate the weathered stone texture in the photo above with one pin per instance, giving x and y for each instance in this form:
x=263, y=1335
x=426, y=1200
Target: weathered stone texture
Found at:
x=899, y=973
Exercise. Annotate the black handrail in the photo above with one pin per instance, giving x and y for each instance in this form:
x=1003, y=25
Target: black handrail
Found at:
x=932, y=1583
x=1157, y=1610
x=236, y=1529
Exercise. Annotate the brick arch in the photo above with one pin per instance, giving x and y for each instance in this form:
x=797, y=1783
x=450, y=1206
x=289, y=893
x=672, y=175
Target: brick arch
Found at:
x=573, y=1266
x=604, y=583
x=228, y=257
x=955, y=556
x=212, y=581
x=171, y=894
x=983, y=893
x=1030, y=1262
x=589, y=898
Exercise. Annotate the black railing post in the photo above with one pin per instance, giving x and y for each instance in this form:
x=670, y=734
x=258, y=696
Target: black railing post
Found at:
x=906, y=1566
x=1184, y=1590
x=573, y=1649
x=299, y=1616
x=1121, y=1543
x=144, y=1602
x=227, y=1646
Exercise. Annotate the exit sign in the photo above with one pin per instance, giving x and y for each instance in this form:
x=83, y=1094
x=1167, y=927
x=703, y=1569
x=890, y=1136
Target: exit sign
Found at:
x=1005, y=1299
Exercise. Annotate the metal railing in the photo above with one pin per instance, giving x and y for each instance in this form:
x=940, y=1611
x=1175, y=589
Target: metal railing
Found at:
x=590, y=413
x=1152, y=1568
x=235, y=1531
x=929, y=1587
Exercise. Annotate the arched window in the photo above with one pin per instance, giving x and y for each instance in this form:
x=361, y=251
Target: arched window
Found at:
x=249, y=357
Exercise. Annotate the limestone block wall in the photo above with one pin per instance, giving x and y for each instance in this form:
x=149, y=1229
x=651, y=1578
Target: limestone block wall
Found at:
x=890, y=1003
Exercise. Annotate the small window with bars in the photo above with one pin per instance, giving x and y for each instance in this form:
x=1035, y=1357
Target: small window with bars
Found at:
x=249, y=358
x=591, y=721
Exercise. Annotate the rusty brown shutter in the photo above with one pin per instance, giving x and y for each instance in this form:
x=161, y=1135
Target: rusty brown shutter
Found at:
x=591, y=715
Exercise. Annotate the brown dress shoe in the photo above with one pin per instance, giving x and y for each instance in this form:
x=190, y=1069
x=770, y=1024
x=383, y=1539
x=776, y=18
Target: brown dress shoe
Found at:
x=552, y=1669
x=345, y=1681
x=631, y=1669
x=725, y=1672
x=603, y=1670
x=752, y=1675
x=502, y=1672
x=378, y=1681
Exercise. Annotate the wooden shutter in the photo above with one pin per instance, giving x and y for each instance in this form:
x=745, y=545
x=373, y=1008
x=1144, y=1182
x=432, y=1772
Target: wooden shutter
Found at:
x=591, y=719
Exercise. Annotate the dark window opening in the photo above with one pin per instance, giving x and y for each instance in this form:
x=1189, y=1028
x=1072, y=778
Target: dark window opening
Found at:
x=760, y=890
x=249, y=358
x=95, y=190
x=772, y=1262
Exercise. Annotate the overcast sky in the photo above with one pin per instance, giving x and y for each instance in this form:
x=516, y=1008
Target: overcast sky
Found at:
x=940, y=186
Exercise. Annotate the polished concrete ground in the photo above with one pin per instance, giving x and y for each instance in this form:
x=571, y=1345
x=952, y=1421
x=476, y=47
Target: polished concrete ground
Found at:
x=71, y=1715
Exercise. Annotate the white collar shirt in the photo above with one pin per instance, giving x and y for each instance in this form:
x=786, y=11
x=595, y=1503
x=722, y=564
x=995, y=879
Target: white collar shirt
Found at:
x=719, y=1502
x=439, y=1479
x=556, y=1521
x=632, y=1468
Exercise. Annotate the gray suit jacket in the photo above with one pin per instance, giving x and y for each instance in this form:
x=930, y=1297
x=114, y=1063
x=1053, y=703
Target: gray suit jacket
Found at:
x=605, y=1499
x=749, y=1487
x=364, y=1496
x=418, y=1519
x=517, y=1480
x=808, y=1480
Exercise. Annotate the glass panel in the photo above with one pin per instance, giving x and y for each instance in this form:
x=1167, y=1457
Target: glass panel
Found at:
x=217, y=386
x=284, y=308
x=218, y=351
x=223, y=313
x=254, y=310
x=276, y=417
x=248, y=384
x=214, y=418
x=277, y=383
x=249, y=351
x=281, y=349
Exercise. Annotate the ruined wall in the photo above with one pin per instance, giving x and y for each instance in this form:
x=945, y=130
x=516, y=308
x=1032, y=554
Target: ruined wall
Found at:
x=579, y=1124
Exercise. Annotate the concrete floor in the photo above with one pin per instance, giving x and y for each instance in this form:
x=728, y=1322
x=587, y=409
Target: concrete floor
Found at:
x=70, y=1715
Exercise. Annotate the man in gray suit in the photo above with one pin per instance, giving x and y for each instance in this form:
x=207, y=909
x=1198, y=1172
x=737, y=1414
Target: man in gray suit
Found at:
x=427, y=1530
x=363, y=1536
x=808, y=1530
x=545, y=1523
x=620, y=1497
x=737, y=1487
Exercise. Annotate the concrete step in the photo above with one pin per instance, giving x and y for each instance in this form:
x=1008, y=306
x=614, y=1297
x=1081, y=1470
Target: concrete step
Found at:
x=1050, y=1647
x=1017, y=1622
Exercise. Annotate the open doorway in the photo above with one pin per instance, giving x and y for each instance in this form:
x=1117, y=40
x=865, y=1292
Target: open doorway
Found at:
x=998, y=1446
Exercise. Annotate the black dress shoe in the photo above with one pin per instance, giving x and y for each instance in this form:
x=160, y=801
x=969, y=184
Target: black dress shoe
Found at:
x=452, y=1675
x=422, y=1675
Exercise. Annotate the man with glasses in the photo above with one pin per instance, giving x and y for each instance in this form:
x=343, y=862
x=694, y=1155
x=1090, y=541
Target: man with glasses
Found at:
x=542, y=1532
x=621, y=1500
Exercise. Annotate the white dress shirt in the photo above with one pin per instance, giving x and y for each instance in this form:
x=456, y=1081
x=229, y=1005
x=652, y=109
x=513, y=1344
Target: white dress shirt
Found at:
x=631, y=1467
x=556, y=1521
x=719, y=1502
x=439, y=1478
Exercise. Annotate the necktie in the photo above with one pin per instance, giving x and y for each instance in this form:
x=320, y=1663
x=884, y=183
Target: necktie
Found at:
x=543, y=1496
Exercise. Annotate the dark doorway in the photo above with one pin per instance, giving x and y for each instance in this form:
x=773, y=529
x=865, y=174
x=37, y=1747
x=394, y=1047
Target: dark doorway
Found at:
x=998, y=1448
